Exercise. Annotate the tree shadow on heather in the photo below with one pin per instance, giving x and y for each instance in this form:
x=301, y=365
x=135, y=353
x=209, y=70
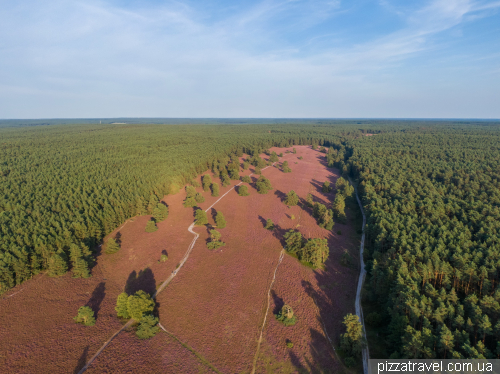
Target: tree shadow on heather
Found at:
x=213, y=212
x=144, y=281
x=96, y=298
x=278, y=302
x=322, y=358
x=281, y=195
x=118, y=238
x=82, y=360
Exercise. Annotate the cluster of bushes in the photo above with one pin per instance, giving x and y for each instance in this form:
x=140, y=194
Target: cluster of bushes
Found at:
x=263, y=185
x=323, y=215
x=314, y=251
x=215, y=240
x=140, y=307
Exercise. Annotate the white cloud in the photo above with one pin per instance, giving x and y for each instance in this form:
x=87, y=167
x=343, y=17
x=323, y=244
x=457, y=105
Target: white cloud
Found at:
x=95, y=59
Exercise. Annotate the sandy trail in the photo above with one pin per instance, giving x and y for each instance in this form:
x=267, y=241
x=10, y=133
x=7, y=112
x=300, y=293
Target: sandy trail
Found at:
x=267, y=311
x=362, y=275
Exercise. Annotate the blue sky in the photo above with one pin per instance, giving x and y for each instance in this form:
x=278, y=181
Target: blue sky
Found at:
x=295, y=58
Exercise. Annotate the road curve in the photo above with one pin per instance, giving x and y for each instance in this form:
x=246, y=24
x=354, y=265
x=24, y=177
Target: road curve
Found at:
x=361, y=280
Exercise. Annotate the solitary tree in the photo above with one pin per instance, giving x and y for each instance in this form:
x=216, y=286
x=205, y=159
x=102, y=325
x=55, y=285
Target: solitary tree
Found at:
x=151, y=226
x=246, y=179
x=294, y=151
x=112, y=246
x=220, y=221
x=243, y=191
x=206, y=181
x=215, y=189
x=269, y=224
x=85, y=316
x=263, y=185
x=291, y=198
x=201, y=217
x=274, y=157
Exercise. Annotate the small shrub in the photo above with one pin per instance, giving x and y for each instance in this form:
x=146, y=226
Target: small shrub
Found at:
x=269, y=224
x=163, y=258
x=85, y=316
x=289, y=344
x=292, y=217
x=286, y=316
x=300, y=157
x=151, y=226
x=112, y=246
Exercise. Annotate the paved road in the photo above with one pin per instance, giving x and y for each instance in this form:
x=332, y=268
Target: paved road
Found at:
x=362, y=275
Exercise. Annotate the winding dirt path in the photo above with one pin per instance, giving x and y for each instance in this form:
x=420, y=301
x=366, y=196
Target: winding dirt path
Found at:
x=362, y=275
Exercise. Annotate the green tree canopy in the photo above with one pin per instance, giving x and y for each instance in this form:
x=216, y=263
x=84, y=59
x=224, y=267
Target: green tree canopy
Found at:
x=220, y=221
x=85, y=316
x=291, y=198
x=151, y=226
x=201, y=217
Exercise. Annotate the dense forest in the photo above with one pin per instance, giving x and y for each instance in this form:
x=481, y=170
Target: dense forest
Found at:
x=64, y=187
x=433, y=237
x=430, y=190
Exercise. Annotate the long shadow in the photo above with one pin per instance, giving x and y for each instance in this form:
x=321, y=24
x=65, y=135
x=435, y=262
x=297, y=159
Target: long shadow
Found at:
x=96, y=298
x=278, y=302
x=278, y=233
x=213, y=212
x=82, y=360
x=144, y=281
x=263, y=221
x=118, y=237
x=281, y=195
